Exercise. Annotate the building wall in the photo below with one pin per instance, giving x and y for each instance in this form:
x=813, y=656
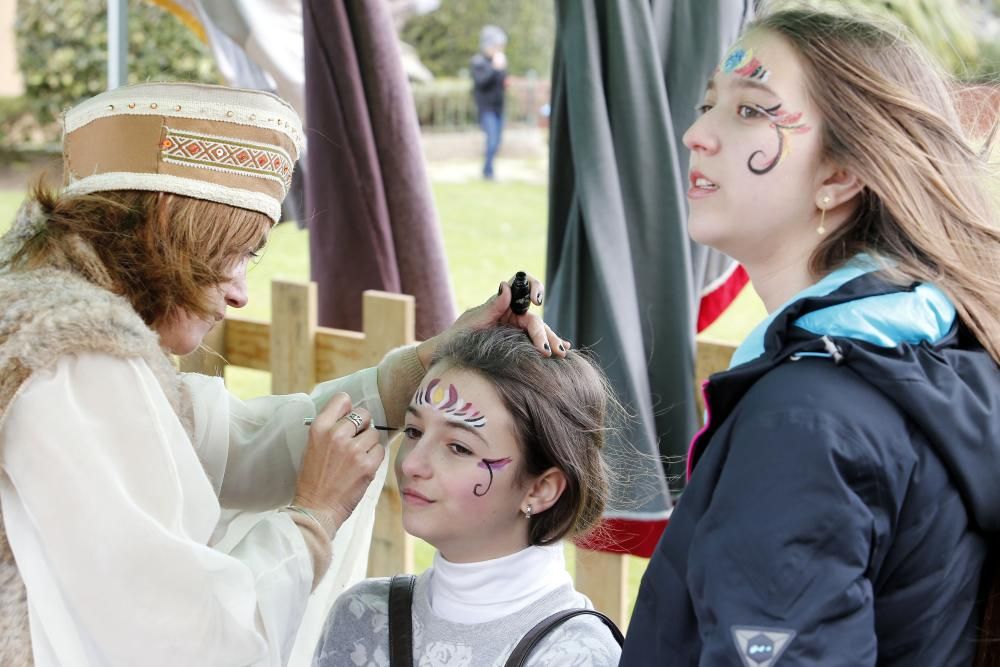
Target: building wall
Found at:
x=11, y=84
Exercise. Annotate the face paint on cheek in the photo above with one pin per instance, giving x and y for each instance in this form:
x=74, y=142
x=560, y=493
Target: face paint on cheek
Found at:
x=784, y=124
x=490, y=465
x=449, y=404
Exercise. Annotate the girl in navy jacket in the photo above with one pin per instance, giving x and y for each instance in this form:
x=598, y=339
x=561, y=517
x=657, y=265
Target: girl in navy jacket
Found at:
x=845, y=492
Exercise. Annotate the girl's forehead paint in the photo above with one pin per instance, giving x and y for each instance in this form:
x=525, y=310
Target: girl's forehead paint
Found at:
x=742, y=62
x=449, y=404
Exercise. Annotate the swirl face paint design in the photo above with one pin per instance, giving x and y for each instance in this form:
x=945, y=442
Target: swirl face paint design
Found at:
x=784, y=123
x=490, y=465
x=743, y=63
x=449, y=403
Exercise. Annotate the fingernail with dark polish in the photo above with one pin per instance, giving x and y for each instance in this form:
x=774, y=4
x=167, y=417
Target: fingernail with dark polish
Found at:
x=547, y=348
x=538, y=299
x=500, y=291
x=561, y=348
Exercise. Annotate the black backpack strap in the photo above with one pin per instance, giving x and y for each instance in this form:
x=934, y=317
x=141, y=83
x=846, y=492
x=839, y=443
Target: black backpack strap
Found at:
x=401, y=620
x=519, y=656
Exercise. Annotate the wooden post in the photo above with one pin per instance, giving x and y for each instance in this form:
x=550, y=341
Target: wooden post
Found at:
x=389, y=321
x=293, y=337
x=603, y=577
x=392, y=547
x=712, y=356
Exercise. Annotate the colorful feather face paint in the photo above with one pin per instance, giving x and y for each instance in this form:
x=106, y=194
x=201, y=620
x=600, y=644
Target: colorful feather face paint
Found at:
x=490, y=465
x=463, y=413
x=449, y=404
x=742, y=62
x=784, y=124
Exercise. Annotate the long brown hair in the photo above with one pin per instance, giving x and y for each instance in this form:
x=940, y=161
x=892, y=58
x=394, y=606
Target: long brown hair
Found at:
x=560, y=411
x=889, y=118
x=160, y=251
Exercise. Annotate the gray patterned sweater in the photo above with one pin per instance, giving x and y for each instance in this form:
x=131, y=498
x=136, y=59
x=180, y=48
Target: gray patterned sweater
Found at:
x=357, y=633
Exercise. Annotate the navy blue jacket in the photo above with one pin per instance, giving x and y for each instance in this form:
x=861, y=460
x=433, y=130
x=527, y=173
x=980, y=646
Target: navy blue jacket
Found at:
x=841, y=497
x=487, y=84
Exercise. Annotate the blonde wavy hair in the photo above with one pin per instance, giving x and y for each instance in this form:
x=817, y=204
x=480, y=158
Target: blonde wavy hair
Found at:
x=889, y=118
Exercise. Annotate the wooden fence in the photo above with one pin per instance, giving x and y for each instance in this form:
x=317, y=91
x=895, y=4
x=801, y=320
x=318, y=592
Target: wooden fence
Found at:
x=298, y=353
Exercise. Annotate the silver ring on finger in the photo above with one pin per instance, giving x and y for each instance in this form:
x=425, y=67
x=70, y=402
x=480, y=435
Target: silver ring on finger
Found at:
x=355, y=419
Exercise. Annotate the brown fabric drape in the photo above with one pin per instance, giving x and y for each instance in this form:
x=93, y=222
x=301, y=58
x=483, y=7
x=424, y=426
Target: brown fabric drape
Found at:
x=369, y=209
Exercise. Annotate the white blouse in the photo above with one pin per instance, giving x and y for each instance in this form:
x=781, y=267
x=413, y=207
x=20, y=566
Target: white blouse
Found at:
x=139, y=547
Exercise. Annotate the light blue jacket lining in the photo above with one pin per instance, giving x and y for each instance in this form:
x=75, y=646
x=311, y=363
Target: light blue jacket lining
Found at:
x=888, y=320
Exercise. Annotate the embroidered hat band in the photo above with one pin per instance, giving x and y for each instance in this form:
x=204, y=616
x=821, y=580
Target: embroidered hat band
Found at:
x=227, y=145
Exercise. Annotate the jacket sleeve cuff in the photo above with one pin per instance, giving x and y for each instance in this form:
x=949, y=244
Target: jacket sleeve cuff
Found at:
x=399, y=375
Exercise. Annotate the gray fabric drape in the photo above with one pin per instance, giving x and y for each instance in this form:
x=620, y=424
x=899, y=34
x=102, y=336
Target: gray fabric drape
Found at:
x=230, y=36
x=623, y=277
x=711, y=26
x=368, y=203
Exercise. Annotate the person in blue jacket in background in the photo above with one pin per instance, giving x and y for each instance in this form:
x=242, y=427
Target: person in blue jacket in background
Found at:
x=489, y=80
x=844, y=496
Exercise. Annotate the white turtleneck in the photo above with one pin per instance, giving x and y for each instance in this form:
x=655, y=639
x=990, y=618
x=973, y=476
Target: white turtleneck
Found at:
x=488, y=590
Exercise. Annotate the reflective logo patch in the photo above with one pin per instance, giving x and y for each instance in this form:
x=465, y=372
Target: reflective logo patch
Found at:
x=760, y=647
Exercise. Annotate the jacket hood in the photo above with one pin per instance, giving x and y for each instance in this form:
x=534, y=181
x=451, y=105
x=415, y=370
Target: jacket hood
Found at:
x=909, y=343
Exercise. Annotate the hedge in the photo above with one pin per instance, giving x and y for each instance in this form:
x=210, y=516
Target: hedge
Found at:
x=62, y=48
x=447, y=38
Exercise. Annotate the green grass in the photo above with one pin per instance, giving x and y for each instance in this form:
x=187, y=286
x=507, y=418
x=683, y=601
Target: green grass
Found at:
x=491, y=230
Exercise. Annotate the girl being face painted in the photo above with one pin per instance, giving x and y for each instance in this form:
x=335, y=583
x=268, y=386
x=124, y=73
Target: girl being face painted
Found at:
x=457, y=469
x=756, y=162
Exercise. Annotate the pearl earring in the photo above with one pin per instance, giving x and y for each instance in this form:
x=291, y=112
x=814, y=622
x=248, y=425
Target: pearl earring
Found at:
x=822, y=215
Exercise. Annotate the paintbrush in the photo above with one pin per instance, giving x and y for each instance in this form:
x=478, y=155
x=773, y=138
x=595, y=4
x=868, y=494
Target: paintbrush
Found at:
x=309, y=420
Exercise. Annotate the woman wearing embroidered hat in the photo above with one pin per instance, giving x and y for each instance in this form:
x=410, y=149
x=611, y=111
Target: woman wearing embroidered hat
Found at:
x=116, y=468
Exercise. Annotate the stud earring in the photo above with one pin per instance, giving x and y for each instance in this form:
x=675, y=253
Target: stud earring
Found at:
x=527, y=512
x=822, y=215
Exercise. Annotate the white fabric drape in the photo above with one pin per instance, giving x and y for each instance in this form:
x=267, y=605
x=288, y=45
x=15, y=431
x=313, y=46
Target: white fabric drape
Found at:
x=114, y=517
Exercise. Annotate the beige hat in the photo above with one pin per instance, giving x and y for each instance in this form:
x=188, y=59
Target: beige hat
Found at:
x=227, y=145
